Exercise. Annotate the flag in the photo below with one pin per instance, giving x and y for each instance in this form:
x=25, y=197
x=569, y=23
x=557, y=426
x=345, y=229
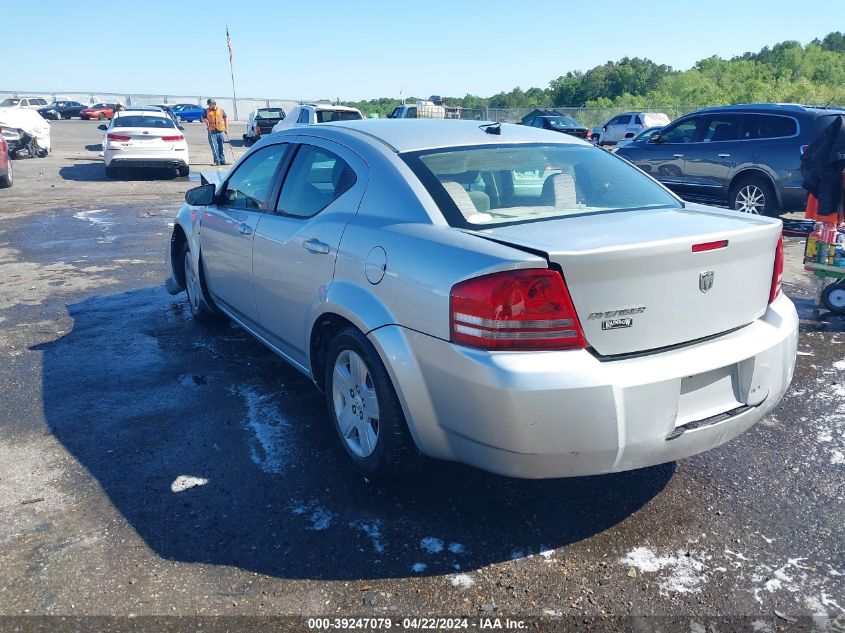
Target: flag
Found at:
x=229, y=43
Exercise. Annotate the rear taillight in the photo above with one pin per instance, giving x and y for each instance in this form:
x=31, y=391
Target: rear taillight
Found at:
x=173, y=138
x=515, y=310
x=118, y=137
x=804, y=149
x=777, y=273
x=589, y=134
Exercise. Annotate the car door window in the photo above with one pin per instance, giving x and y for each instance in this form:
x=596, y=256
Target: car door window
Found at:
x=721, y=128
x=249, y=186
x=621, y=120
x=683, y=132
x=315, y=179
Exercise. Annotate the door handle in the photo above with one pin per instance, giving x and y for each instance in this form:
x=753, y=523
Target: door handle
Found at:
x=244, y=229
x=723, y=155
x=316, y=246
x=678, y=155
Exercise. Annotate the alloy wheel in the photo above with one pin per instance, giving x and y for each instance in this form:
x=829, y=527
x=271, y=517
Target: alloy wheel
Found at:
x=192, y=284
x=750, y=199
x=355, y=403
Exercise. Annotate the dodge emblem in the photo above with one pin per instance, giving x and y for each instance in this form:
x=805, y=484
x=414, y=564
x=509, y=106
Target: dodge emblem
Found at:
x=705, y=280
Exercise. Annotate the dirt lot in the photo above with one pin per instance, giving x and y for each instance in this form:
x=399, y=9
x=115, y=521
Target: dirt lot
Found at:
x=149, y=466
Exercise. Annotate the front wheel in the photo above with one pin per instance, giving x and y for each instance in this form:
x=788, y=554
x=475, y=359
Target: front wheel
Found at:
x=755, y=196
x=365, y=410
x=184, y=171
x=833, y=297
x=101, y=116
x=200, y=305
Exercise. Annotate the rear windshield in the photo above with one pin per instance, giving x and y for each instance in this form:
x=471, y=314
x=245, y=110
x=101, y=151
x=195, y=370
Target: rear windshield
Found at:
x=275, y=113
x=327, y=116
x=823, y=121
x=492, y=185
x=143, y=121
x=562, y=121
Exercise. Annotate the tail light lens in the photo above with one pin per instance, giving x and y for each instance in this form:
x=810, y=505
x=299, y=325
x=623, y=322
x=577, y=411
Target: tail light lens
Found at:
x=804, y=149
x=179, y=137
x=118, y=137
x=589, y=134
x=777, y=273
x=515, y=310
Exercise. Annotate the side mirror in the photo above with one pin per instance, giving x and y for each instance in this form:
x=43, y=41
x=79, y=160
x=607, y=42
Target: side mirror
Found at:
x=102, y=127
x=201, y=196
x=654, y=138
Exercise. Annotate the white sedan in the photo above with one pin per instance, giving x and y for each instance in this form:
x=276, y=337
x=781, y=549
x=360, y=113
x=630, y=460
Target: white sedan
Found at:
x=311, y=113
x=507, y=297
x=145, y=139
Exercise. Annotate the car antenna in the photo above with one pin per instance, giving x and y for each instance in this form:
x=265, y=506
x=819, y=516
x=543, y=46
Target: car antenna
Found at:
x=492, y=128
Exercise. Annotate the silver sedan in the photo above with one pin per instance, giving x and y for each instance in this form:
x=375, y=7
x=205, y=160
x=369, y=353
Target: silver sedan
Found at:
x=502, y=296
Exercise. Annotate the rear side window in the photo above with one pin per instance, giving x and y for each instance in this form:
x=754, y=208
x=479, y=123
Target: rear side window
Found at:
x=721, y=128
x=758, y=126
x=316, y=178
x=303, y=117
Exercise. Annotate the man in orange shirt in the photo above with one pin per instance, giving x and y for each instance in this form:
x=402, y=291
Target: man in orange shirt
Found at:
x=217, y=123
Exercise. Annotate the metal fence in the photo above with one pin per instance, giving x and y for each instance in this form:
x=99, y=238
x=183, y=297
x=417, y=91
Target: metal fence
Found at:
x=241, y=112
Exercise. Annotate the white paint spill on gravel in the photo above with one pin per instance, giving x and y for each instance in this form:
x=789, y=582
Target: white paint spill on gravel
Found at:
x=432, y=545
x=271, y=446
x=319, y=518
x=373, y=531
x=462, y=580
x=683, y=572
x=186, y=482
x=419, y=568
x=457, y=548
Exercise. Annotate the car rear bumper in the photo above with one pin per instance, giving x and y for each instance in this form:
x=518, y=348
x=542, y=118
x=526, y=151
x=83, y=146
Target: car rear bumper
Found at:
x=559, y=414
x=148, y=163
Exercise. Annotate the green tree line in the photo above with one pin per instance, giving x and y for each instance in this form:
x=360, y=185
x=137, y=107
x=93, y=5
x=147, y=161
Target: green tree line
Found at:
x=786, y=72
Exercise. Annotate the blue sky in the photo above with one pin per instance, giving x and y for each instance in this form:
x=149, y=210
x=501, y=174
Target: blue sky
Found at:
x=354, y=49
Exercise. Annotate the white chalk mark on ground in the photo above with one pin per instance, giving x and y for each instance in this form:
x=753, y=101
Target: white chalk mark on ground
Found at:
x=419, y=568
x=271, y=448
x=186, y=482
x=683, y=572
x=457, y=548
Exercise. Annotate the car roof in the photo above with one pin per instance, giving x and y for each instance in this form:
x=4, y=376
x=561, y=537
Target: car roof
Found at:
x=328, y=106
x=771, y=107
x=134, y=111
x=406, y=135
x=151, y=108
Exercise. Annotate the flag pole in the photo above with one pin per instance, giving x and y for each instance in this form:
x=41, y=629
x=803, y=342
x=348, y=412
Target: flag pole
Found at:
x=232, y=72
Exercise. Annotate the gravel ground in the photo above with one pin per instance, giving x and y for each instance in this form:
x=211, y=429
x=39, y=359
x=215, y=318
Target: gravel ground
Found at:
x=150, y=466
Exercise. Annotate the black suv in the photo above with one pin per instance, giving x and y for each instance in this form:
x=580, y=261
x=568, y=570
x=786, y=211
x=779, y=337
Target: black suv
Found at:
x=748, y=156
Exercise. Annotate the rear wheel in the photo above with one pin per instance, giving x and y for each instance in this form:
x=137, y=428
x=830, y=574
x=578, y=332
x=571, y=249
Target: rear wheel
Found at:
x=7, y=180
x=754, y=195
x=365, y=410
x=833, y=297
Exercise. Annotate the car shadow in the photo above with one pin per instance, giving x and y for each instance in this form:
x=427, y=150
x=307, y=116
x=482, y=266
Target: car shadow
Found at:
x=815, y=318
x=98, y=147
x=217, y=452
x=96, y=171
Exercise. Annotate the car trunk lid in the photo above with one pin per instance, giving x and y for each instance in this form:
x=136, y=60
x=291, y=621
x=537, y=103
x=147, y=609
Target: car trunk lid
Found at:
x=636, y=282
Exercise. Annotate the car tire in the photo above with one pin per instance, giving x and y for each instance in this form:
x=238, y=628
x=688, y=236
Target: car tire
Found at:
x=101, y=116
x=754, y=195
x=833, y=297
x=9, y=179
x=184, y=171
x=379, y=447
x=200, y=304
x=59, y=116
